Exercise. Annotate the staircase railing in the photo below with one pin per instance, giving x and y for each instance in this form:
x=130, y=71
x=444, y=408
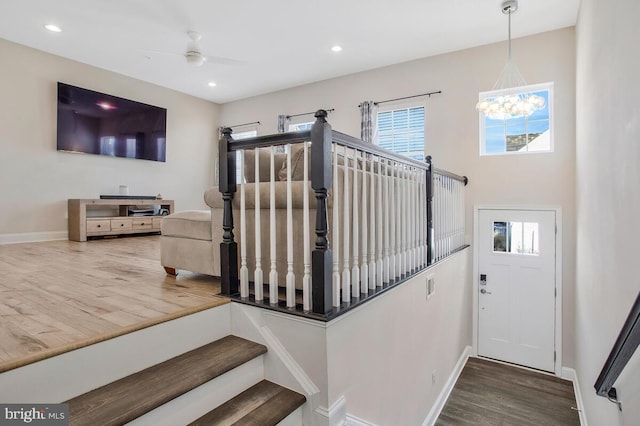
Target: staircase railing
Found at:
x=622, y=351
x=380, y=218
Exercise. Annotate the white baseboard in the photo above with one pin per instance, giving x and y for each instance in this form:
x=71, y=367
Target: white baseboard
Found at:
x=570, y=374
x=33, y=237
x=448, y=387
x=336, y=415
x=355, y=421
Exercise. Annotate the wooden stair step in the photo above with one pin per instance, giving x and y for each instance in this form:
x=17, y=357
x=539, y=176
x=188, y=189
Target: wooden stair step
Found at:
x=132, y=396
x=263, y=404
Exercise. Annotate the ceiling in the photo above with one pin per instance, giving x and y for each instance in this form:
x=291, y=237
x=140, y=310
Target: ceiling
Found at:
x=279, y=43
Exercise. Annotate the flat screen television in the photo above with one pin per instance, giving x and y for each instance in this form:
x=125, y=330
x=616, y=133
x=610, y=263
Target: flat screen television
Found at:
x=96, y=123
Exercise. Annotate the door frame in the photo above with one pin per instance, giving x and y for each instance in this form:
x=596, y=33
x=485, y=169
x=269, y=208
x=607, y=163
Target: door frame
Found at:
x=558, y=274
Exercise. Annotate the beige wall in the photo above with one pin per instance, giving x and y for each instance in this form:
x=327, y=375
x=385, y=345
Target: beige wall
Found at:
x=452, y=126
x=37, y=180
x=381, y=358
x=608, y=199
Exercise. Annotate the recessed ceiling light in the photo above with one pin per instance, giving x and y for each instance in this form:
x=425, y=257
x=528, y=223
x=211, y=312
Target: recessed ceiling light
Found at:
x=53, y=28
x=336, y=48
x=212, y=84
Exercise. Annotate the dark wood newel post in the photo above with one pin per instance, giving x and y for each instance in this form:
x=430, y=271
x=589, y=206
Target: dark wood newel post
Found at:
x=227, y=186
x=430, y=237
x=321, y=181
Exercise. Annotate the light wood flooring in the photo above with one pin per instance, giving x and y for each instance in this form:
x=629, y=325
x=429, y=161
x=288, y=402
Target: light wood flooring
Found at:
x=488, y=393
x=57, y=296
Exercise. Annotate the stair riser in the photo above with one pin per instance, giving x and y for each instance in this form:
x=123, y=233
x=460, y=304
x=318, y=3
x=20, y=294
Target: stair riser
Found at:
x=293, y=419
x=200, y=400
x=73, y=373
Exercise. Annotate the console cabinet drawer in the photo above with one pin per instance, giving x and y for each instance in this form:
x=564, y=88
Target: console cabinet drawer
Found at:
x=143, y=223
x=121, y=224
x=157, y=222
x=98, y=225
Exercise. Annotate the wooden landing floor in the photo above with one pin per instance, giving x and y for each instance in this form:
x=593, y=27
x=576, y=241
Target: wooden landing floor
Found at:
x=57, y=296
x=491, y=393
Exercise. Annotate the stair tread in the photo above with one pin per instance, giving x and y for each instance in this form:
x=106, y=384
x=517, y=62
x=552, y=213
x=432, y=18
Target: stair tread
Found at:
x=132, y=396
x=263, y=404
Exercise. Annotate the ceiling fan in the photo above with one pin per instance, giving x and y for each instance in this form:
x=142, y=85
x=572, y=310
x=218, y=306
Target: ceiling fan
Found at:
x=194, y=55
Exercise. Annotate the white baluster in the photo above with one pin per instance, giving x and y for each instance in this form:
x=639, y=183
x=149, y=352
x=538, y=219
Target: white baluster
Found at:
x=403, y=222
x=379, y=221
x=410, y=217
x=257, y=277
x=273, y=273
x=364, y=265
x=335, y=232
x=372, y=226
x=355, y=268
x=291, y=279
x=393, y=206
x=387, y=221
x=346, y=272
x=306, y=279
x=244, y=271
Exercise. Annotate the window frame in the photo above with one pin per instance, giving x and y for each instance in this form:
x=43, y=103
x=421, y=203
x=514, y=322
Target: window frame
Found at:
x=394, y=106
x=549, y=87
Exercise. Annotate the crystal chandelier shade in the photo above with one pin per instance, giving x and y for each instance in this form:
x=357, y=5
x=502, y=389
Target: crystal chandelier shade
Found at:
x=512, y=102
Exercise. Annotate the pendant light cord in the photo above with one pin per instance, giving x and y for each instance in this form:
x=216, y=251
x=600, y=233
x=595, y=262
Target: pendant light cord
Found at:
x=509, y=34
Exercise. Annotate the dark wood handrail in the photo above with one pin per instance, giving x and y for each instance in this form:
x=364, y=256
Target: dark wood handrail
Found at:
x=322, y=137
x=622, y=351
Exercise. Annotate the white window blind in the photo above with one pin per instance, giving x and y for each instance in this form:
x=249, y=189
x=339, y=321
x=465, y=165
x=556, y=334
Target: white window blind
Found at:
x=402, y=131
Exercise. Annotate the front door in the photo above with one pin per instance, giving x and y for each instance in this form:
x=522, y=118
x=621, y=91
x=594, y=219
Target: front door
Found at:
x=517, y=288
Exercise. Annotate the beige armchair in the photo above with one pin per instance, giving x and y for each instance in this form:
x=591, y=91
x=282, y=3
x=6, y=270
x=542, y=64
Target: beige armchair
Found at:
x=191, y=239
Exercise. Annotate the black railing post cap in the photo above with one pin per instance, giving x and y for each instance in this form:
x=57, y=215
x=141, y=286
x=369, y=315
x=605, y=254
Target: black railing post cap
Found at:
x=321, y=114
x=227, y=131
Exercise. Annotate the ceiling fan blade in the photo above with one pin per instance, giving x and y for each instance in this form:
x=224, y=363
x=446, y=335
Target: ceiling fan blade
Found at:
x=223, y=61
x=159, y=52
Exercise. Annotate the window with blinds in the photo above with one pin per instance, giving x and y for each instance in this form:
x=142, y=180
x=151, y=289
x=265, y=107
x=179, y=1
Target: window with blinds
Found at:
x=239, y=165
x=402, y=131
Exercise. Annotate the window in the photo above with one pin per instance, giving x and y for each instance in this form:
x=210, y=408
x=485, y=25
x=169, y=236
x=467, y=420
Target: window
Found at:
x=238, y=136
x=516, y=238
x=300, y=126
x=402, y=130
x=519, y=135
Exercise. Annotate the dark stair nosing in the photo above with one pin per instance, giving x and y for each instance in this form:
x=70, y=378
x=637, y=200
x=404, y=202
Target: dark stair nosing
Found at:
x=263, y=404
x=130, y=397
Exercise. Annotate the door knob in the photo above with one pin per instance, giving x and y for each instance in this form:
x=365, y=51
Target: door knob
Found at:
x=484, y=291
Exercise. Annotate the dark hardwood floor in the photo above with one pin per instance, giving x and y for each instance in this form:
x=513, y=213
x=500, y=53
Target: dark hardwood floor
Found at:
x=491, y=393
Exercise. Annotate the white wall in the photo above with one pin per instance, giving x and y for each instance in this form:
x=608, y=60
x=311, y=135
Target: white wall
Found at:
x=452, y=126
x=374, y=362
x=37, y=180
x=381, y=356
x=607, y=195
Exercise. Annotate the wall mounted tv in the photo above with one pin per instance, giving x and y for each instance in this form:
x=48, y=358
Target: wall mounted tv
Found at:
x=96, y=123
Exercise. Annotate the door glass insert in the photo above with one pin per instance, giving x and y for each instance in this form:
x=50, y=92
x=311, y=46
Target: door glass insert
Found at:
x=516, y=238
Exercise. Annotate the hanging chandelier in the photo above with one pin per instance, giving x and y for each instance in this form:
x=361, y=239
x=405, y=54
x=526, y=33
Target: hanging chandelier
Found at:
x=511, y=102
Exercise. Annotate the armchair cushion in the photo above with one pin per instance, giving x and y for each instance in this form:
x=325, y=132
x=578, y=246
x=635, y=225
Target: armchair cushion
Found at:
x=191, y=224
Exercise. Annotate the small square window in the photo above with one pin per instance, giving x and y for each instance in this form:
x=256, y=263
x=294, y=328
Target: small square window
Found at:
x=521, y=135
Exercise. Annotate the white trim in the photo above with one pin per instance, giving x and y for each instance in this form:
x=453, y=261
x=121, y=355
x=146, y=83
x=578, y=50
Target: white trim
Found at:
x=356, y=421
x=33, y=237
x=438, y=405
x=558, y=273
x=335, y=415
x=276, y=347
x=570, y=374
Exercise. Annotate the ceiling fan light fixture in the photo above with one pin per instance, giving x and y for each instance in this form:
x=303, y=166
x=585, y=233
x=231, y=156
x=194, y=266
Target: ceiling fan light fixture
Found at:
x=195, y=58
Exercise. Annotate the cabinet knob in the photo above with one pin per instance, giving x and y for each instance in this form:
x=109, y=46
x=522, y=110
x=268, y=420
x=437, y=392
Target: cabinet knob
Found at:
x=99, y=225
x=122, y=224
